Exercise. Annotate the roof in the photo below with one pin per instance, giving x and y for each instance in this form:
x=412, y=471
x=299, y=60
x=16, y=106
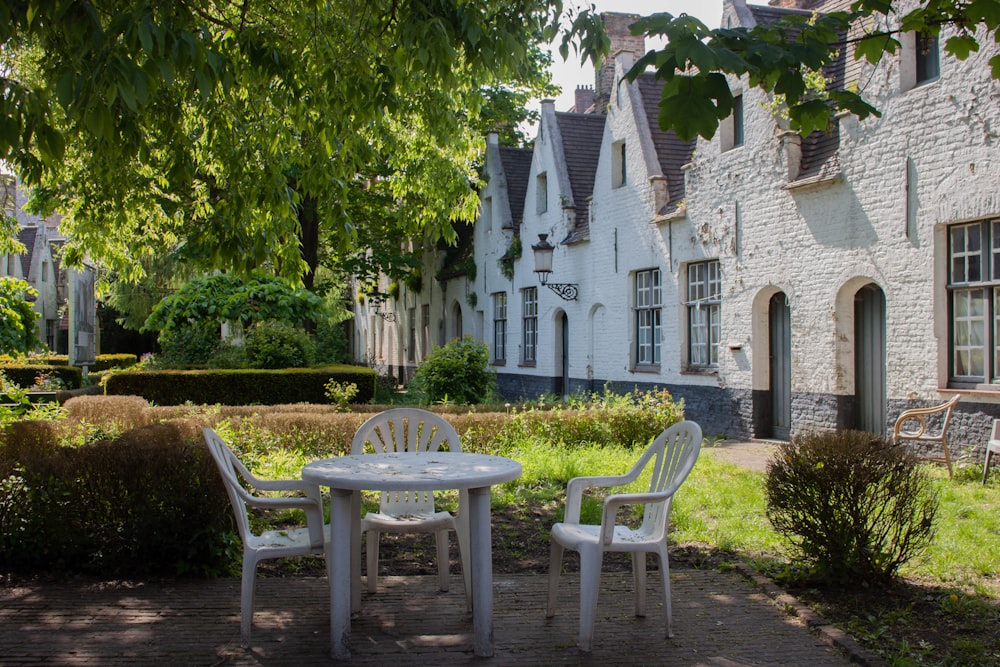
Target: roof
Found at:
x=27, y=235
x=516, y=164
x=671, y=152
x=819, y=149
x=581, y=138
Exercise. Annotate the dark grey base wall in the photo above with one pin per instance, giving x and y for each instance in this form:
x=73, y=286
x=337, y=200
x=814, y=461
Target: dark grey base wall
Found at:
x=738, y=413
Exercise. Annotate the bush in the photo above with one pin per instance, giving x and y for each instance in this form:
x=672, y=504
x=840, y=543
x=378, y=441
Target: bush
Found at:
x=331, y=342
x=274, y=344
x=149, y=501
x=25, y=375
x=855, y=506
x=457, y=372
x=189, y=346
x=239, y=387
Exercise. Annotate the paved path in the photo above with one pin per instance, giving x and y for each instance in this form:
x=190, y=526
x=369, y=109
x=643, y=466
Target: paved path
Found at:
x=720, y=618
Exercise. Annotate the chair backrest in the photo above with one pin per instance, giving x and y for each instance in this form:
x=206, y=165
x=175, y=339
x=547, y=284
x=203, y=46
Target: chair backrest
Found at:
x=674, y=453
x=405, y=430
x=230, y=468
x=995, y=433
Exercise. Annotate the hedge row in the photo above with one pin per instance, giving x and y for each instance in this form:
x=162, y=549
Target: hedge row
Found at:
x=102, y=363
x=240, y=386
x=24, y=374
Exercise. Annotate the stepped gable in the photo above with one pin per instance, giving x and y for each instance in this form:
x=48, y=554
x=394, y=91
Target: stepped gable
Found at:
x=671, y=152
x=581, y=140
x=516, y=165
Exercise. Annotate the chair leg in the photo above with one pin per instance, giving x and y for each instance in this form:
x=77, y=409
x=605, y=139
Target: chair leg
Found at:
x=986, y=464
x=590, y=585
x=462, y=533
x=947, y=457
x=247, y=598
x=371, y=549
x=555, y=567
x=441, y=538
x=639, y=581
x=665, y=574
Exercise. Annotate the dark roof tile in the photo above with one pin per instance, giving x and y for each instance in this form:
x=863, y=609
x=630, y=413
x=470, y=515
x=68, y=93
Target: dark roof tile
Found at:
x=672, y=153
x=516, y=163
x=27, y=235
x=581, y=138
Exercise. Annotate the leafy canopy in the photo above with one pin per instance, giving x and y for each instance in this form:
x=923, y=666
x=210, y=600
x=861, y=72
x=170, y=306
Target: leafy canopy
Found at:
x=235, y=134
x=780, y=57
x=17, y=317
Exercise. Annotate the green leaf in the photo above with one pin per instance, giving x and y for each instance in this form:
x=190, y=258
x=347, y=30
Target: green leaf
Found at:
x=961, y=46
x=809, y=117
x=873, y=48
x=686, y=110
x=985, y=11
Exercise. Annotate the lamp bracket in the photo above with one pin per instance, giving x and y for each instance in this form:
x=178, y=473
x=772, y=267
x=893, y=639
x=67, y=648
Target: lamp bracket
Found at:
x=565, y=291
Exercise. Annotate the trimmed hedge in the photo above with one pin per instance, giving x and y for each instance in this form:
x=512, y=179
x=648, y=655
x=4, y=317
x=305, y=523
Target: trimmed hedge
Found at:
x=24, y=374
x=240, y=386
x=102, y=363
x=148, y=502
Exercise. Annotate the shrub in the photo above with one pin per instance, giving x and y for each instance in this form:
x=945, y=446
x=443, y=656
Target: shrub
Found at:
x=855, y=506
x=331, y=342
x=150, y=501
x=458, y=372
x=189, y=346
x=341, y=393
x=274, y=344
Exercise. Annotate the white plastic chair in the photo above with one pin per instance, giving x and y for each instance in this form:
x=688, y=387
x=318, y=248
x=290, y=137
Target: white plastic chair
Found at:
x=673, y=454
x=992, y=447
x=413, y=430
x=272, y=543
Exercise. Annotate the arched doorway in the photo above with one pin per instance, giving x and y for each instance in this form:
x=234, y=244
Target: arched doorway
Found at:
x=780, y=365
x=869, y=359
x=457, y=319
x=562, y=379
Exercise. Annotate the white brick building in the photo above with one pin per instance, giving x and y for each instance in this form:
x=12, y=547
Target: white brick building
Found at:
x=777, y=284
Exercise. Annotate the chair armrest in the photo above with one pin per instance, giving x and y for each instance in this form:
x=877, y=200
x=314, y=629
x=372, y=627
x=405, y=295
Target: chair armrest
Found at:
x=618, y=500
x=917, y=415
x=576, y=487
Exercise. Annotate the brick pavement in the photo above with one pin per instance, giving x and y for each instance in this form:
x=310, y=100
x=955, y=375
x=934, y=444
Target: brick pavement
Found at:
x=721, y=619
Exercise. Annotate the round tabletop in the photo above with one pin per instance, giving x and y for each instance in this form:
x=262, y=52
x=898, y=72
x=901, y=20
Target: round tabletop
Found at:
x=400, y=471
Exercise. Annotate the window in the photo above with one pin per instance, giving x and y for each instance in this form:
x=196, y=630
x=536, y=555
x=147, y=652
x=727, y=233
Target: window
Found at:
x=499, y=326
x=411, y=347
x=425, y=329
x=618, y=170
x=704, y=295
x=927, y=58
x=738, y=120
x=731, y=127
x=541, y=193
x=529, y=324
x=974, y=302
x=648, y=304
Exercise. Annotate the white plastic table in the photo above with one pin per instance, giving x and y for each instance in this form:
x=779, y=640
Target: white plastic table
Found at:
x=348, y=475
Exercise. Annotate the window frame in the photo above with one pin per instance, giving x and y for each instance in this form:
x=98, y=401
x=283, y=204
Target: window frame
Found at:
x=619, y=165
x=500, y=327
x=529, y=326
x=704, y=330
x=647, y=306
x=542, y=193
x=978, y=285
x=927, y=58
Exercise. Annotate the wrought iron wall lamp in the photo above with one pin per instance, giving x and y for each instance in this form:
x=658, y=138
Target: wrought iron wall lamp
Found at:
x=543, y=267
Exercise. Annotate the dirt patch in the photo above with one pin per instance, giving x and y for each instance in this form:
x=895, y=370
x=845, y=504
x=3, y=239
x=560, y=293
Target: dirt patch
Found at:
x=753, y=455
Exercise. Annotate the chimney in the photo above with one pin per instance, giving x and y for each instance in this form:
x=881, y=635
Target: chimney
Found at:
x=622, y=40
x=584, y=99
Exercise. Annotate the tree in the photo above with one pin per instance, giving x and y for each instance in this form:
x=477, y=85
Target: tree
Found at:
x=17, y=317
x=235, y=134
x=780, y=57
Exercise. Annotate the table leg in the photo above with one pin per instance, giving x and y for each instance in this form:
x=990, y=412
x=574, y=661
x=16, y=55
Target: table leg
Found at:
x=340, y=573
x=481, y=560
x=355, y=552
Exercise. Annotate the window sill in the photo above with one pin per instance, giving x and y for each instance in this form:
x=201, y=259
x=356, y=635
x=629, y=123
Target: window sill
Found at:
x=651, y=368
x=526, y=364
x=708, y=372
x=498, y=362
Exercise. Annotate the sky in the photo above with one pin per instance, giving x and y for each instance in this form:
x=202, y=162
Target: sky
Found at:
x=569, y=74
